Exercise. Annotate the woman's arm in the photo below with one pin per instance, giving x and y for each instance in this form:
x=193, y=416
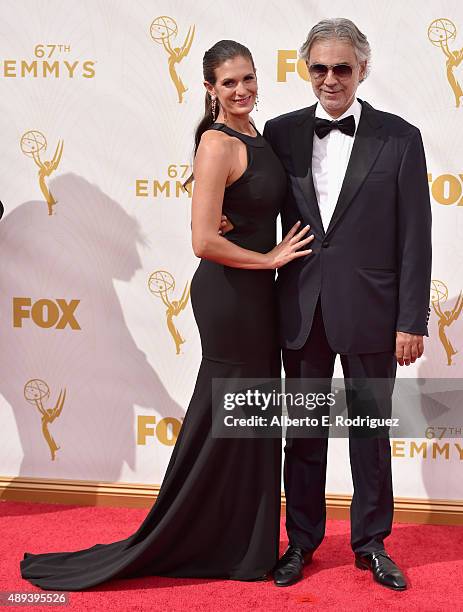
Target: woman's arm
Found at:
x=212, y=169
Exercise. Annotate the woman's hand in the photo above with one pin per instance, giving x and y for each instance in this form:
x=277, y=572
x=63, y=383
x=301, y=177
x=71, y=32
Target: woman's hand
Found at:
x=225, y=225
x=287, y=249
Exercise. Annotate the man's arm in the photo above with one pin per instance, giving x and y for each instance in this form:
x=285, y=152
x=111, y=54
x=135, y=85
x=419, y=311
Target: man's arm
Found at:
x=289, y=213
x=413, y=252
x=266, y=132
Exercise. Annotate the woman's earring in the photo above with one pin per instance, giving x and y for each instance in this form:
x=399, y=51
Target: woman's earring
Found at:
x=255, y=102
x=213, y=107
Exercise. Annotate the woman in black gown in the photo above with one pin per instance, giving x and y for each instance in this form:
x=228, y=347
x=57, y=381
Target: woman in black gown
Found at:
x=217, y=513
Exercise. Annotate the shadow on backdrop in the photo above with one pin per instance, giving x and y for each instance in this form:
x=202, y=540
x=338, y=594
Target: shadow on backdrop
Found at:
x=74, y=255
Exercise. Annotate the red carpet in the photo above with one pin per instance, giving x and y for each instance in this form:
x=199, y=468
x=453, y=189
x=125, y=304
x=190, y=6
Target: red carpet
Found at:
x=431, y=556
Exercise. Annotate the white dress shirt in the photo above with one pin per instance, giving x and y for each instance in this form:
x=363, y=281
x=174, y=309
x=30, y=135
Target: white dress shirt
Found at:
x=330, y=157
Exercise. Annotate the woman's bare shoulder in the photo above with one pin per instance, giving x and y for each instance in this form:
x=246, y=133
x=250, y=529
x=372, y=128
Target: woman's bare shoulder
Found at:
x=215, y=145
x=216, y=138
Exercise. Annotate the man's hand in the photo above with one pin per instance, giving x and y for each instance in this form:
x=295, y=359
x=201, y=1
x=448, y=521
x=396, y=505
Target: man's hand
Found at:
x=408, y=348
x=225, y=226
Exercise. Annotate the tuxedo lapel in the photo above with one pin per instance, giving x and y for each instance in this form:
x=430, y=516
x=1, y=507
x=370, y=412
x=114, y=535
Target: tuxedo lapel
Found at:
x=367, y=145
x=301, y=146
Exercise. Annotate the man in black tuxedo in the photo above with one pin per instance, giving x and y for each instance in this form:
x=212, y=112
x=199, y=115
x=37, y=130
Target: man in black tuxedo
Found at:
x=358, y=177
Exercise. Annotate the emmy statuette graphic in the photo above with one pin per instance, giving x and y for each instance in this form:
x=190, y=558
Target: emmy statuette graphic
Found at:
x=160, y=283
x=439, y=296
x=37, y=391
x=163, y=29
x=440, y=33
x=34, y=144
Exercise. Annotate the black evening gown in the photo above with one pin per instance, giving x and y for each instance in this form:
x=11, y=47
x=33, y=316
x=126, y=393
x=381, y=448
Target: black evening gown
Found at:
x=217, y=512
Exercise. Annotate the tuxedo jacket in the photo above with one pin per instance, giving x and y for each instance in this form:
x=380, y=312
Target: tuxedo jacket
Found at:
x=371, y=268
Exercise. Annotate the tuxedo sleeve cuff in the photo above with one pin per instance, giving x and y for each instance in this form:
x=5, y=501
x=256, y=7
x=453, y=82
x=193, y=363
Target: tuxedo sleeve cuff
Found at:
x=414, y=332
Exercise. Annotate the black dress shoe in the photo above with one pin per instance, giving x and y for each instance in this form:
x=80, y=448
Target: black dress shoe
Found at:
x=383, y=568
x=288, y=570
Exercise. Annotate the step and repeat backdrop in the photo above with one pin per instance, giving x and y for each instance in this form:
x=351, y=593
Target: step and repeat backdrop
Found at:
x=98, y=103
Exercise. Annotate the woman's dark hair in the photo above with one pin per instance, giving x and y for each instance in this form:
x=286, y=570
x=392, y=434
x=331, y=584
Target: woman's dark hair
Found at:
x=221, y=52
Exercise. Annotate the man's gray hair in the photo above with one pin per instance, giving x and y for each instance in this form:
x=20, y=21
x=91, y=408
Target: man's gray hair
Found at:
x=339, y=29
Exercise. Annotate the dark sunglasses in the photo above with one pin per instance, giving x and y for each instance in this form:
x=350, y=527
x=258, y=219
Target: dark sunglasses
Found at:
x=340, y=71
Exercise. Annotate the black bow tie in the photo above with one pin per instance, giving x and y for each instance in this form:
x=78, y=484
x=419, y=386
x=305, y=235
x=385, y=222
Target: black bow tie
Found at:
x=324, y=127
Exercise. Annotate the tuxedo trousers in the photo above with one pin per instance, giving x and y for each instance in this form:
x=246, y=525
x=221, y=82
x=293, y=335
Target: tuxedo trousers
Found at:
x=305, y=462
